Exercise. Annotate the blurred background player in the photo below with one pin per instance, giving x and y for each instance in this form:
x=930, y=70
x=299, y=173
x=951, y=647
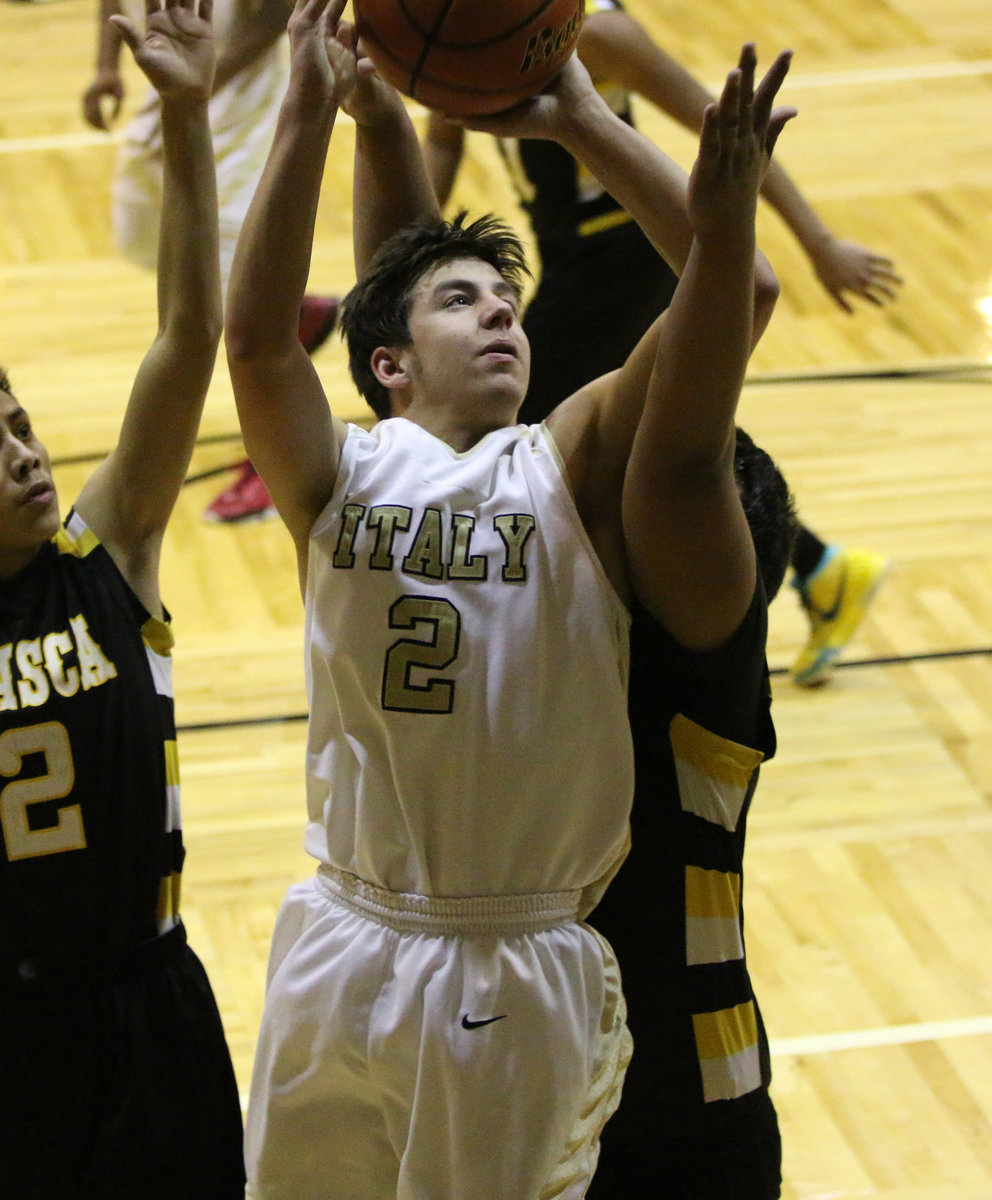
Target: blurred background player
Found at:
x=602, y=284
x=115, y=1077
x=251, y=76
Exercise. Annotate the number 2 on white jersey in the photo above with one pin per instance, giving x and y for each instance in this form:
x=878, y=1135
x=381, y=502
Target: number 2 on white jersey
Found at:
x=400, y=691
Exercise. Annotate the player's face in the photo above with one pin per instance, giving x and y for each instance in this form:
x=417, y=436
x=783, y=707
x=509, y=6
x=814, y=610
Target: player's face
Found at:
x=29, y=510
x=467, y=340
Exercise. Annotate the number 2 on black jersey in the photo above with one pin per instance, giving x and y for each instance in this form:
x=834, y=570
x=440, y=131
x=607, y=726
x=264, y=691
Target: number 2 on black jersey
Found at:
x=21, y=841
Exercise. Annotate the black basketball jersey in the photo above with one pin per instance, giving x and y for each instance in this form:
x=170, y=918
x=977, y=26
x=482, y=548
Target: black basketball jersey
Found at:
x=90, y=840
x=562, y=199
x=674, y=913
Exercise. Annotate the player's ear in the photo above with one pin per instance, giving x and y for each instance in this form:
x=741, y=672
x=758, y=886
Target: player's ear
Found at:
x=389, y=367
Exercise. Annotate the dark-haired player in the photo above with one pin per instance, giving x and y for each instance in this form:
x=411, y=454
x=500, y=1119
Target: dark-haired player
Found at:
x=115, y=1078
x=440, y=1021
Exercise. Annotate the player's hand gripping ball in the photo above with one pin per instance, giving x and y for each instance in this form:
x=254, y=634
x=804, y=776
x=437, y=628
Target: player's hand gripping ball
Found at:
x=469, y=57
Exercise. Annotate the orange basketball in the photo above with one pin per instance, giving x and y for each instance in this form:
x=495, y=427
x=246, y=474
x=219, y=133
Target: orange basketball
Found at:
x=469, y=56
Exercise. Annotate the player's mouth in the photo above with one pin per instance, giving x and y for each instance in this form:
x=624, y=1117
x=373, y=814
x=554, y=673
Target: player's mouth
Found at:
x=40, y=493
x=502, y=347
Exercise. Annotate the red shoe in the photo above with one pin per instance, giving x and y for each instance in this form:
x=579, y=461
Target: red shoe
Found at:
x=247, y=499
x=318, y=316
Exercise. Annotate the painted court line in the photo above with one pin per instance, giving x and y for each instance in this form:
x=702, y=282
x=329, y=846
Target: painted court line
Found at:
x=58, y=141
x=911, y=72
x=893, y=1035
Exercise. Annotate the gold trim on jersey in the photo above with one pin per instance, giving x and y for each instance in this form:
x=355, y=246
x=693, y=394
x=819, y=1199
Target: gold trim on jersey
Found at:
x=608, y=220
x=169, y=897
x=727, y=1044
x=712, y=912
x=713, y=772
x=158, y=637
x=171, y=764
x=712, y=893
x=80, y=541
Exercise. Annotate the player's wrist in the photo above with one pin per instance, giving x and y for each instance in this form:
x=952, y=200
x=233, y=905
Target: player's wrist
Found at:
x=187, y=107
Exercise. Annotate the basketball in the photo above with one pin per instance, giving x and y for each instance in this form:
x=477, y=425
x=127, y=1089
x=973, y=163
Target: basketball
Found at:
x=469, y=57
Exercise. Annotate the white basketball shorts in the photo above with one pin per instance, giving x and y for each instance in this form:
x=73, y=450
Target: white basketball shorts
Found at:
x=421, y=1049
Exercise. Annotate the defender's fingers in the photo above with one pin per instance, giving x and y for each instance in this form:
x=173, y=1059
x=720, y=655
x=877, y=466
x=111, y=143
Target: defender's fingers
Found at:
x=728, y=107
x=314, y=10
x=127, y=30
x=884, y=291
x=884, y=268
x=334, y=11
x=747, y=64
x=777, y=122
x=709, y=135
x=767, y=90
x=207, y=11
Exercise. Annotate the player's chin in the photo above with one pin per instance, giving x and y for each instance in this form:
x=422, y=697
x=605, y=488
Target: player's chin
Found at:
x=505, y=391
x=25, y=535
x=47, y=522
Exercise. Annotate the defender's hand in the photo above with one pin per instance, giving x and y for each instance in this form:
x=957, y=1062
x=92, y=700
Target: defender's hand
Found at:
x=176, y=48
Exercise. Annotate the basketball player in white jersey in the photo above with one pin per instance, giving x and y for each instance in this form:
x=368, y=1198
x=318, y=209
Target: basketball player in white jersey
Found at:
x=440, y=1022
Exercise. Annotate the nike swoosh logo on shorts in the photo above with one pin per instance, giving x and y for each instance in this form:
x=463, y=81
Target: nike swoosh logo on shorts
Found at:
x=468, y=1023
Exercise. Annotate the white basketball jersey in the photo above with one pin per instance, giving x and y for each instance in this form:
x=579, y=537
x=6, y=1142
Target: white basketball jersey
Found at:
x=467, y=672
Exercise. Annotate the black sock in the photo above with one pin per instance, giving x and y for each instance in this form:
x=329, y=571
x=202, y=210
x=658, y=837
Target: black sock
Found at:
x=807, y=552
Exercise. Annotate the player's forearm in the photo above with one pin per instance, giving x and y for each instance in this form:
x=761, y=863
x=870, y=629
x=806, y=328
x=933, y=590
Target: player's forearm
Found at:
x=108, y=42
x=443, y=148
x=272, y=259
x=188, y=273
x=787, y=200
x=702, y=358
x=639, y=176
x=616, y=47
x=162, y=416
x=391, y=185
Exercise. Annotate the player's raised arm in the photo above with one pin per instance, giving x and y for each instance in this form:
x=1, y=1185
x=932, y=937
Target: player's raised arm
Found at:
x=444, y=148
x=130, y=497
x=392, y=187
x=614, y=45
x=594, y=429
x=107, y=85
x=639, y=175
x=289, y=432
x=690, y=554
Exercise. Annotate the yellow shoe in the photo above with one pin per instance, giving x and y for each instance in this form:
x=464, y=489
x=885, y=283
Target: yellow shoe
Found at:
x=836, y=597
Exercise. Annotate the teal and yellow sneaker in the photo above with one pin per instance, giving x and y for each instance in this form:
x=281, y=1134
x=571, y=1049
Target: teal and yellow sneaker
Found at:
x=836, y=597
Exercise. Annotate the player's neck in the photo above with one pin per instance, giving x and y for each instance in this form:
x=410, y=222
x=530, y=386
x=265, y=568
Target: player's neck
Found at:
x=459, y=433
x=460, y=427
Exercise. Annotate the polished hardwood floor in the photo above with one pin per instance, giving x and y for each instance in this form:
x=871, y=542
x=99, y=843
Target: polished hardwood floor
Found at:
x=869, y=901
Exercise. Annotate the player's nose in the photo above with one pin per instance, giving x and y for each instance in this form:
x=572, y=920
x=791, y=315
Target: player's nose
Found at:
x=499, y=312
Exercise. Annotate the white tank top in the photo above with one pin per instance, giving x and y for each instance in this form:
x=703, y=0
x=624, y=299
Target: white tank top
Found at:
x=467, y=672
